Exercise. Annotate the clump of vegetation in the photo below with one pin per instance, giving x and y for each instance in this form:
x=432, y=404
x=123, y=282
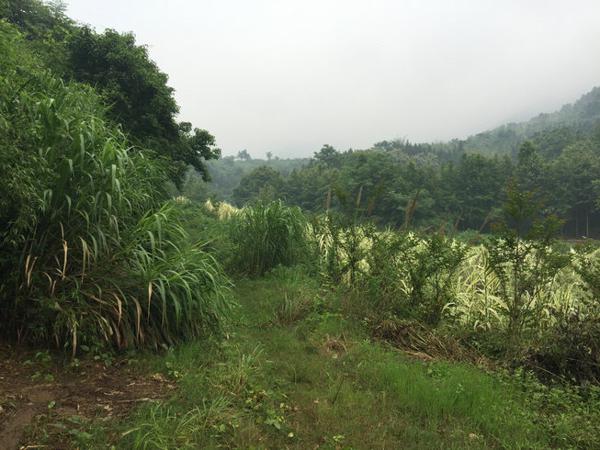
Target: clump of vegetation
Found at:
x=266, y=235
x=517, y=297
x=522, y=259
x=89, y=252
x=413, y=275
x=523, y=299
x=571, y=347
x=343, y=246
x=398, y=273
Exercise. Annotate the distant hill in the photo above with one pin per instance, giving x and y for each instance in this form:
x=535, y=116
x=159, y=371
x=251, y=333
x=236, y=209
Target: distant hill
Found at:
x=550, y=131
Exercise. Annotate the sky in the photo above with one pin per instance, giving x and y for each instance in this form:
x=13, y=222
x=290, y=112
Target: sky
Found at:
x=288, y=76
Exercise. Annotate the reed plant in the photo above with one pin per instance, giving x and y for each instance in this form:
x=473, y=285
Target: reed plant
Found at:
x=266, y=235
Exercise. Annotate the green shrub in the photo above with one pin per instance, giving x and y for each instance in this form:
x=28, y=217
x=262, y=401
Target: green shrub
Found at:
x=266, y=235
x=571, y=348
x=522, y=258
x=411, y=275
x=396, y=273
x=88, y=251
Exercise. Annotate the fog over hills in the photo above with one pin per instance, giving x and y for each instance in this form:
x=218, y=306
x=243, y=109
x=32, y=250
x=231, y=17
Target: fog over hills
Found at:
x=582, y=116
x=287, y=77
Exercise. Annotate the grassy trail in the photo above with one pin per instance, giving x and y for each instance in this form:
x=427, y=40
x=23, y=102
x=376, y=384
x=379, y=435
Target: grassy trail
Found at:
x=296, y=374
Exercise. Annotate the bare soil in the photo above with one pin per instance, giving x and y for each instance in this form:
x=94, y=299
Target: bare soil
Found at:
x=36, y=391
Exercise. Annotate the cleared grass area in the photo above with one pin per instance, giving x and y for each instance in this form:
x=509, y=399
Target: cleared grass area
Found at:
x=315, y=380
x=297, y=373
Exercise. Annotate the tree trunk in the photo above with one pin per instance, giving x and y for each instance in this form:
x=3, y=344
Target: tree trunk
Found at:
x=587, y=224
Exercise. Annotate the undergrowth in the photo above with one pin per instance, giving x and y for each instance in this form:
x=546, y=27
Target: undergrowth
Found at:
x=90, y=252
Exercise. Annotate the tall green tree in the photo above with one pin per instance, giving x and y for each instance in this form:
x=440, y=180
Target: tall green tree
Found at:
x=139, y=98
x=46, y=28
x=263, y=182
x=135, y=91
x=244, y=155
x=327, y=156
x=476, y=186
x=576, y=173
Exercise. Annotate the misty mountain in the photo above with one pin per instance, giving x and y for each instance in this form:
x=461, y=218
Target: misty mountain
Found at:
x=551, y=132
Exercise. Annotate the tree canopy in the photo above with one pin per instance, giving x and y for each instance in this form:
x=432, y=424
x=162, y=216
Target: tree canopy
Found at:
x=135, y=91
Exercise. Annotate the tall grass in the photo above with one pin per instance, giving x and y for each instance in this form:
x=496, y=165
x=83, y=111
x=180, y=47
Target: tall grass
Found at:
x=89, y=252
x=266, y=235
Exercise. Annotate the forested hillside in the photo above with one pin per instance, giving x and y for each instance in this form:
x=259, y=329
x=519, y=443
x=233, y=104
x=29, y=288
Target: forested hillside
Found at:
x=456, y=185
x=551, y=132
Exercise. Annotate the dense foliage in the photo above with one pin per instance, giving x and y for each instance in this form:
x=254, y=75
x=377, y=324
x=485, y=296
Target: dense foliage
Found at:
x=267, y=235
x=89, y=250
x=134, y=89
x=518, y=296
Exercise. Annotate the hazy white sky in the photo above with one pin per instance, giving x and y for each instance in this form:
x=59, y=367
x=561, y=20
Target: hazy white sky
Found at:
x=290, y=75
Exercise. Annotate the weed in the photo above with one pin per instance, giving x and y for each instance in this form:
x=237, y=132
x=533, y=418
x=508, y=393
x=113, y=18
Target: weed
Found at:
x=267, y=235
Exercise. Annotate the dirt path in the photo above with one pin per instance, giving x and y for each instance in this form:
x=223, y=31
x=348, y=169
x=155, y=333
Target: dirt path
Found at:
x=35, y=390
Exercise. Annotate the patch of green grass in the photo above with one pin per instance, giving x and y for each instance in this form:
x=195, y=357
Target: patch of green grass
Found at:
x=459, y=403
x=342, y=385
x=319, y=381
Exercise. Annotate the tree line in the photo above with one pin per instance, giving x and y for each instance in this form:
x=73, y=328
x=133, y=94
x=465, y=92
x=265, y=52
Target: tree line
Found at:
x=446, y=185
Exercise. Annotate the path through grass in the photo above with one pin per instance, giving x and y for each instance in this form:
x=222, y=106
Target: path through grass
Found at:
x=296, y=374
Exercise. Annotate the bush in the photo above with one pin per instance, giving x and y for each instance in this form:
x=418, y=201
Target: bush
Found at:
x=571, y=348
x=522, y=258
x=87, y=252
x=413, y=276
x=396, y=273
x=266, y=235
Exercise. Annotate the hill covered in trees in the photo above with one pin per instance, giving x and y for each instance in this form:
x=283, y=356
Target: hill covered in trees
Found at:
x=552, y=132
x=451, y=185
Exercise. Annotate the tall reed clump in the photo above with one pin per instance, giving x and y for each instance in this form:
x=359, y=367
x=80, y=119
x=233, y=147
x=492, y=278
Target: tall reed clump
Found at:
x=266, y=235
x=89, y=252
x=343, y=245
